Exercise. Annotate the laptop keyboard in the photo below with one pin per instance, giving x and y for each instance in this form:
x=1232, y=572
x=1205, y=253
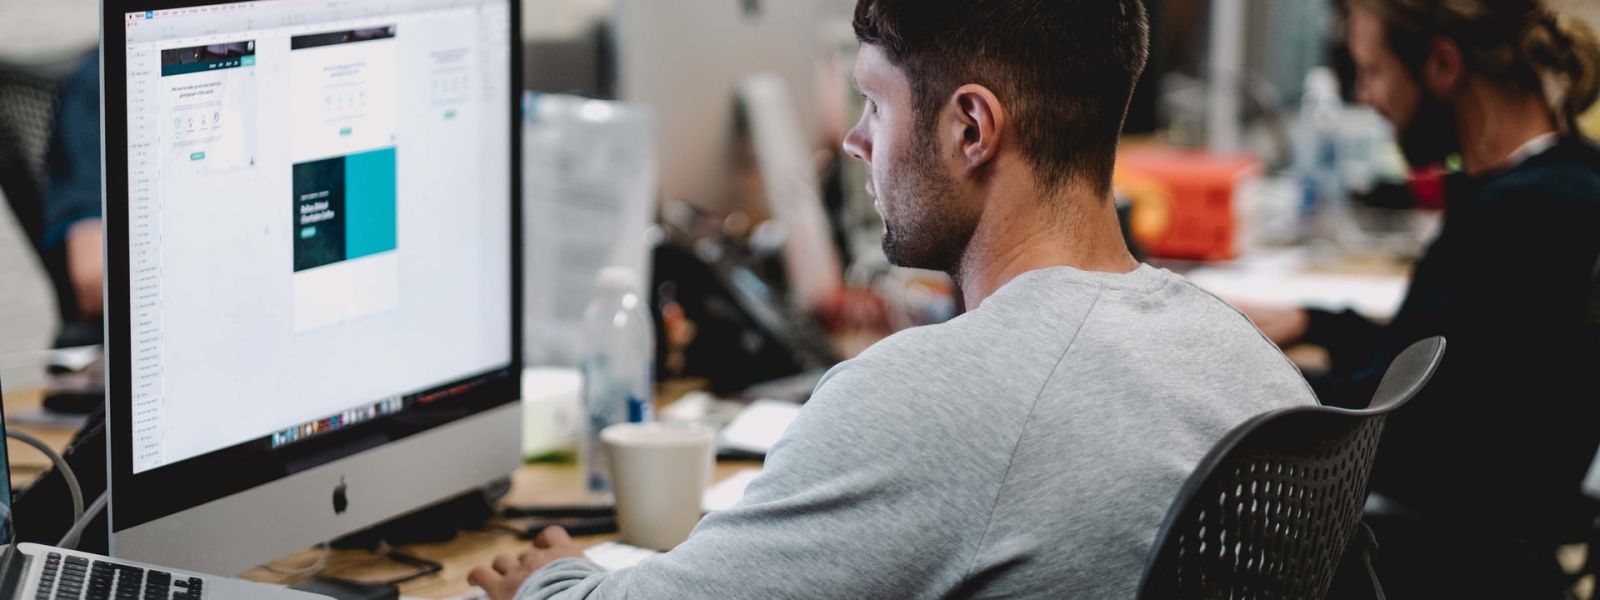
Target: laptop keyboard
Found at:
x=77, y=578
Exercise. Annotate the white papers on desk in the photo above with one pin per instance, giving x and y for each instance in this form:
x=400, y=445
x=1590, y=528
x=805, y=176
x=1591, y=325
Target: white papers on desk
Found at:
x=1375, y=296
x=727, y=493
x=615, y=555
x=759, y=427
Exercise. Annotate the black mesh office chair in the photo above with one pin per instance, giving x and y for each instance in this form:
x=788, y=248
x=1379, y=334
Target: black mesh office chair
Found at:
x=27, y=118
x=1269, y=510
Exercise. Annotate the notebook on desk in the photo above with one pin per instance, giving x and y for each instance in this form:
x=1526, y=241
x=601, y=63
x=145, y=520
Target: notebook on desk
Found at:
x=757, y=428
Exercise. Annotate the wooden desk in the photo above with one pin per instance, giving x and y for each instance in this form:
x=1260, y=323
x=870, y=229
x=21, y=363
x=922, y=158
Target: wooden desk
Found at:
x=27, y=464
x=532, y=485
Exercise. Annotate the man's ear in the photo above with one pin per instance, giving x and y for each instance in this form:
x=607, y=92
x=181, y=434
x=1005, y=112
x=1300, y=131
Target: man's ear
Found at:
x=976, y=124
x=1445, y=69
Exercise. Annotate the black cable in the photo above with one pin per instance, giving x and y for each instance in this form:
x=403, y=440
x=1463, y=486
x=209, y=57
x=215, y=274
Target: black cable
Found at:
x=1367, y=549
x=427, y=567
x=577, y=520
x=556, y=512
x=590, y=525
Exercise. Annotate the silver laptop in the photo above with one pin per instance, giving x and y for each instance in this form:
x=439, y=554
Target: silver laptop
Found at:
x=34, y=572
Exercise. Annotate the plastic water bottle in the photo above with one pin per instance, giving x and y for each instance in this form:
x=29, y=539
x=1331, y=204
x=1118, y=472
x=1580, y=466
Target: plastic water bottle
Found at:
x=618, y=355
x=1322, y=208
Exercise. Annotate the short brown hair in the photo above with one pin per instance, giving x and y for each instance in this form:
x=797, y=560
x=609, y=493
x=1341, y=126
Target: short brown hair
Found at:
x=1516, y=44
x=1064, y=68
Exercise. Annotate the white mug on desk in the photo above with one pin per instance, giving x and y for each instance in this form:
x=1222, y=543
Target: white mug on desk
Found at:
x=659, y=475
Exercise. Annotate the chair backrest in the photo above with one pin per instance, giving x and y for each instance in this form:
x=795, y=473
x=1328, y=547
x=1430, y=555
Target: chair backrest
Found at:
x=27, y=117
x=28, y=95
x=1268, y=511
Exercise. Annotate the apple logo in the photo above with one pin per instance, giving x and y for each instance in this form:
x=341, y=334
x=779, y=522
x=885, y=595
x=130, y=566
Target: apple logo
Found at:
x=340, y=501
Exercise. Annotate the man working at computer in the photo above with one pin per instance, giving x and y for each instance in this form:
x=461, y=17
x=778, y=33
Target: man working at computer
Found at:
x=1489, y=460
x=1031, y=447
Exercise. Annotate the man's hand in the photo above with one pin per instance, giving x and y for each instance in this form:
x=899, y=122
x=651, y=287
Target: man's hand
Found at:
x=505, y=575
x=1284, y=326
x=86, y=266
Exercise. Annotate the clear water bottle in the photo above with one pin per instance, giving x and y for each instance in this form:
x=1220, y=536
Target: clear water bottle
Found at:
x=1323, y=205
x=618, y=354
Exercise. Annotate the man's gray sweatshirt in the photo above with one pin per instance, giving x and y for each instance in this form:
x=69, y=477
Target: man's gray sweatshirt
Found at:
x=1027, y=449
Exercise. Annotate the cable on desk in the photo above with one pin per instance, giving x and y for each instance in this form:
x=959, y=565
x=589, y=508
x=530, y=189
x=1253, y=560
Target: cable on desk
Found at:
x=73, y=487
x=70, y=540
x=316, y=566
x=556, y=512
x=427, y=567
x=577, y=520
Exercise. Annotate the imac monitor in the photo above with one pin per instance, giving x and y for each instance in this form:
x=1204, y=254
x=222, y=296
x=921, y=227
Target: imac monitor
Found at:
x=311, y=229
x=685, y=60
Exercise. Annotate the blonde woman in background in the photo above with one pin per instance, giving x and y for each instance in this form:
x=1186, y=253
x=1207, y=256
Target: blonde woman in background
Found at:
x=1486, y=464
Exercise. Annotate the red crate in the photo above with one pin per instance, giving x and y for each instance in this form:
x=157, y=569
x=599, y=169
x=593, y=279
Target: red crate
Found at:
x=1183, y=200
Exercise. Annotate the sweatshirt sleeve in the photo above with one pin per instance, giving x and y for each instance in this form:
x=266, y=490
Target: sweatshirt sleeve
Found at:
x=846, y=506
x=73, y=160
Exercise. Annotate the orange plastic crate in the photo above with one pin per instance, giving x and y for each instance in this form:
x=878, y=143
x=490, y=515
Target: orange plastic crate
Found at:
x=1183, y=200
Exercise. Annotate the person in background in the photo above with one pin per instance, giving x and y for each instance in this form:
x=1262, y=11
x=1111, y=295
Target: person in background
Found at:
x=1027, y=449
x=72, y=199
x=1488, y=461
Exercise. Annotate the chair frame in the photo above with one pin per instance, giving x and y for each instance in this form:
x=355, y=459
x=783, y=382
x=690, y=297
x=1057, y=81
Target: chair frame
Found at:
x=1410, y=373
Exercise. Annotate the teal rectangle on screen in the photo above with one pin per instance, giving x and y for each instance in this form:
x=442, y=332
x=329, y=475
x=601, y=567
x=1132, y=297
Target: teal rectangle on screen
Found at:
x=370, y=218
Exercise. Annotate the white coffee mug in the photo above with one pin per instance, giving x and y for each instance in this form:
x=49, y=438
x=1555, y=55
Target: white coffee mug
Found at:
x=659, y=475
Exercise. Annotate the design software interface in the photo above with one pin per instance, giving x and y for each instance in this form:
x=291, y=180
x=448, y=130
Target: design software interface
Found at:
x=319, y=215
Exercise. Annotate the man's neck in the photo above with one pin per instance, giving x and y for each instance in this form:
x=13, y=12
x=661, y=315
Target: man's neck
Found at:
x=1078, y=230
x=1495, y=123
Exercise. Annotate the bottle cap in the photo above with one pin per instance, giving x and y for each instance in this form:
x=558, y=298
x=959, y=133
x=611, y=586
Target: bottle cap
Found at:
x=1322, y=81
x=617, y=279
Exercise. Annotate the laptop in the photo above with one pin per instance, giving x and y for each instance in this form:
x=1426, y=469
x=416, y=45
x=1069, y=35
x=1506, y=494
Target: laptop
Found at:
x=35, y=572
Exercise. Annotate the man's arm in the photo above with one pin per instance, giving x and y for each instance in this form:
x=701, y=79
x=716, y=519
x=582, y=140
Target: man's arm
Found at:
x=1347, y=335
x=864, y=497
x=1508, y=418
x=72, y=201
x=86, y=266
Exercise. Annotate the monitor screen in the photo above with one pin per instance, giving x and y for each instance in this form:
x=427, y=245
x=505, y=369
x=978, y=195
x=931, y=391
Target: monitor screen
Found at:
x=318, y=230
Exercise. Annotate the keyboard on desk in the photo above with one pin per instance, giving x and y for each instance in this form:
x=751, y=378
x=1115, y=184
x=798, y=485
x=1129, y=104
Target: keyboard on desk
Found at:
x=79, y=578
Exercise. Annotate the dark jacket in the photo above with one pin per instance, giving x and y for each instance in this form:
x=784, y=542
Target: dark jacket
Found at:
x=1506, y=431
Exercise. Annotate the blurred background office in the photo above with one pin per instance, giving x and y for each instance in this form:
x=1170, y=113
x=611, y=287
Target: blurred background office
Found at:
x=697, y=143
x=711, y=166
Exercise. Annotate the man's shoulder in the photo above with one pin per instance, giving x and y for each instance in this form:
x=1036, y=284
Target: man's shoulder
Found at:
x=921, y=394
x=1185, y=343
x=921, y=360
x=1003, y=338
x=1556, y=188
x=954, y=370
